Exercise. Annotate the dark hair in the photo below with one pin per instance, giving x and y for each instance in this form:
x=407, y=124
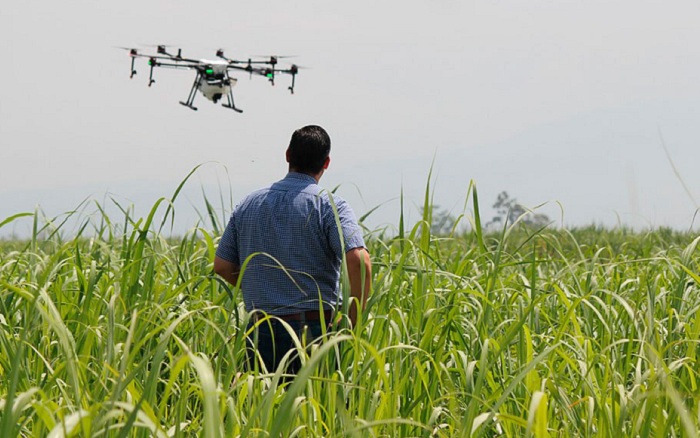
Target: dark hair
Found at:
x=308, y=149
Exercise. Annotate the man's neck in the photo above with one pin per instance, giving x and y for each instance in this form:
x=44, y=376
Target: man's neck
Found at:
x=316, y=176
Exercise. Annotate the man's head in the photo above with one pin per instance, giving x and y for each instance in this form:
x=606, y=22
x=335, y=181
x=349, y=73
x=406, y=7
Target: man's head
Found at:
x=309, y=149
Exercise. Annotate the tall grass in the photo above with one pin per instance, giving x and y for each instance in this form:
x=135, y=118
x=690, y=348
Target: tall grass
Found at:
x=121, y=331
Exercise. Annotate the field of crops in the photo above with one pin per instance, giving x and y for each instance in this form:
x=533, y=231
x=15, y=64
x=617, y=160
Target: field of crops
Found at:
x=120, y=331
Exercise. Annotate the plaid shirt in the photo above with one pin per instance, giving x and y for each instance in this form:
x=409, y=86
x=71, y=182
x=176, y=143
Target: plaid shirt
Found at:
x=287, y=237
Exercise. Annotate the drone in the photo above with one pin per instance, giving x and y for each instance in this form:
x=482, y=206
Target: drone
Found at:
x=212, y=77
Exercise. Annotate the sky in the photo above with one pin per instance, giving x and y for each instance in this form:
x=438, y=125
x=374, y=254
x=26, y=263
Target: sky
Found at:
x=587, y=111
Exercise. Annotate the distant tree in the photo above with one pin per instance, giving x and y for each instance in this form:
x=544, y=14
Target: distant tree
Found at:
x=442, y=221
x=508, y=211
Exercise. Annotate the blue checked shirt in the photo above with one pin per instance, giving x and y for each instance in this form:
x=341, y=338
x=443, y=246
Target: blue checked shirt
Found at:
x=289, y=236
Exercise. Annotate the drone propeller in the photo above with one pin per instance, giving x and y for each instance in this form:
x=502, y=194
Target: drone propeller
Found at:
x=272, y=60
x=220, y=54
x=294, y=69
x=155, y=46
x=162, y=50
x=275, y=56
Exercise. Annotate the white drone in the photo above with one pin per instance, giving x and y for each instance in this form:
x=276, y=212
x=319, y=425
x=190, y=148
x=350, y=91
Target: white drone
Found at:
x=212, y=79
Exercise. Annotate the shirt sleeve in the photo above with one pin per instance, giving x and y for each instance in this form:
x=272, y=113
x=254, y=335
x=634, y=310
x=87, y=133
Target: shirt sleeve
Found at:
x=228, y=245
x=351, y=231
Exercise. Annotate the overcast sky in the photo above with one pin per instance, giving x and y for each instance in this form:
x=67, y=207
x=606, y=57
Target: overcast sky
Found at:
x=562, y=103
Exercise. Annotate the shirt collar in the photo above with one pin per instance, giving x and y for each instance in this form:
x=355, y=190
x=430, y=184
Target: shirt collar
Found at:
x=300, y=177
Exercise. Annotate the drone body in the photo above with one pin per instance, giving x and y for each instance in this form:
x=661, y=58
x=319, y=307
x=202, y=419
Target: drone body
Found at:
x=212, y=76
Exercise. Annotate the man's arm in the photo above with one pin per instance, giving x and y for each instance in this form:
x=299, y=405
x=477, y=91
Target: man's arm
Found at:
x=359, y=273
x=227, y=270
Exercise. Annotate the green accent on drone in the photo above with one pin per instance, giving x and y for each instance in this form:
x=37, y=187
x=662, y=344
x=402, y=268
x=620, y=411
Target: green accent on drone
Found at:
x=209, y=71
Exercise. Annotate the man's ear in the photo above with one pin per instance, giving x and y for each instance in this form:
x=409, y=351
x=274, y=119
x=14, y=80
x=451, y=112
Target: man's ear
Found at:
x=286, y=155
x=326, y=163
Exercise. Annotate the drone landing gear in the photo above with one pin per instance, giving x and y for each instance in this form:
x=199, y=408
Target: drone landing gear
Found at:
x=193, y=92
x=230, y=104
x=238, y=110
x=188, y=105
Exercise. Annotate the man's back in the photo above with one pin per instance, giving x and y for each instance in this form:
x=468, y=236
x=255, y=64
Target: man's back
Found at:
x=291, y=232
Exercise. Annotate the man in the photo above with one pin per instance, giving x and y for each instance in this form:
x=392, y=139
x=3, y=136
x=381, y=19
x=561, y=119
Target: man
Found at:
x=286, y=239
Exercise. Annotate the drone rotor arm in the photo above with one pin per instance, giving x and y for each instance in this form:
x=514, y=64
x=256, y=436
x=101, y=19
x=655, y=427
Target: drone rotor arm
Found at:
x=237, y=67
x=193, y=61
x=153, y=62
x=183, y=66
x=252, y=70
x=166, y=58
x=141, y=55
